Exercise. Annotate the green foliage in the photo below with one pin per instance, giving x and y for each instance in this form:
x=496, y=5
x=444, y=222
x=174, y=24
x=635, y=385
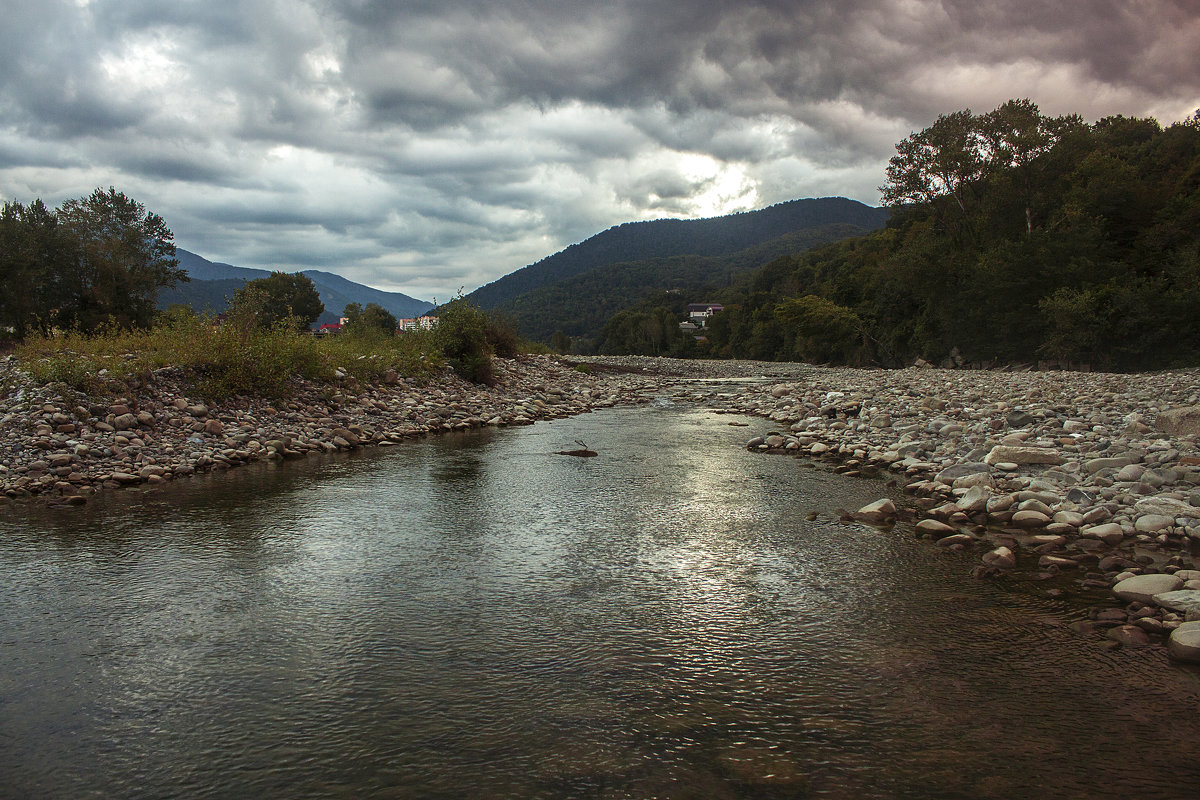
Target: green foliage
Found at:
x=94, y=261
x=374, y=321
x=1019, y=237
x=278, y=298
x=461, y=334
x=823, y=330
x=502, y=335
x=652, y=331
x=560, y=342
x=222, y=359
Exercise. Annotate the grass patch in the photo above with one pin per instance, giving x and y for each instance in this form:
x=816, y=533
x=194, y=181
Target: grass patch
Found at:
x=223, y=359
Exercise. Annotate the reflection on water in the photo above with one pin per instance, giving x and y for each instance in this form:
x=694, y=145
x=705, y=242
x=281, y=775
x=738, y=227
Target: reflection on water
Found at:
x=472, y=616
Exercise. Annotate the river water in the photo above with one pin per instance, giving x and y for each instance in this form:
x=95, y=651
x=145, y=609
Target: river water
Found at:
x=471, y=616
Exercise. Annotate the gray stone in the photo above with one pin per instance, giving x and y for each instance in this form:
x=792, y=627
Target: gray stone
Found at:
x=1001, y=557
x=935, y=527
x=976, y=499
x=976, y=479
x=880, y=511
x=1130, y=472
x=1095, y=465
x=1023, y=455
x=951, y=473
x=1109, y=532
x=1143, y=588
x=1019, y=419
x=124, y=422
x=1153, y=523
x=1030, y=519
x=1179, y=421
x=1081, y=497
x=1181, y=600
x=1129, y=636
x=1184, y=643
x=1165, y=506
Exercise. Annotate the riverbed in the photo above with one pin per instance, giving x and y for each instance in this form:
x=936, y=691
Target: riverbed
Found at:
x=470, y=615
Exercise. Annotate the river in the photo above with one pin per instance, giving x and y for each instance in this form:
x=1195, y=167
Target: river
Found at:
x=471, y=616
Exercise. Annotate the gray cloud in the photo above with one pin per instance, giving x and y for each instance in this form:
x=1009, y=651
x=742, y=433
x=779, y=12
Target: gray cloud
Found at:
x=425, y=146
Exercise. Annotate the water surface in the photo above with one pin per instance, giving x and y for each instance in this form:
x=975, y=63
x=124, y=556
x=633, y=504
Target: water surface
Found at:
x=472, y=616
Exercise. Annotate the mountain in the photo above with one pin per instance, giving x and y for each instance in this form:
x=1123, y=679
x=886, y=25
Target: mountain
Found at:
x=213, y=283
x=665, y=238
x=580, y=305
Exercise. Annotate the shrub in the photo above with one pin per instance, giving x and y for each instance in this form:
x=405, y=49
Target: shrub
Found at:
x=502, y=335
x=461, y=333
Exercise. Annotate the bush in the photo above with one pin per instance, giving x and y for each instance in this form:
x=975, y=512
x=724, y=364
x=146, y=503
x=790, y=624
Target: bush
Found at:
x=461, y=333
x=502, y=335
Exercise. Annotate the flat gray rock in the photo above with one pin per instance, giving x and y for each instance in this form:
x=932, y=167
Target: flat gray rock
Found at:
x=1181, y=600
x=1013, y=454
x=949, y=474
x=1179, y=421
x=1143, y=588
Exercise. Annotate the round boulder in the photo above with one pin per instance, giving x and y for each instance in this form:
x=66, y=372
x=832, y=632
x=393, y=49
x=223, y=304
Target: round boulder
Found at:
x=1001, y=558
x=1184, y=643
x=1142, y=588
x=1030, y=519
x=880, y=511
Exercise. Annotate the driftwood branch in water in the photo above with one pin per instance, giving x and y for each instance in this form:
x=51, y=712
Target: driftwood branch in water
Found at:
x=584, y=452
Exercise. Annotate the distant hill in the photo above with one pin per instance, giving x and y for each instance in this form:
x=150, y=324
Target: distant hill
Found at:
x=213, y=283
x=665, y=238
x=580, y=305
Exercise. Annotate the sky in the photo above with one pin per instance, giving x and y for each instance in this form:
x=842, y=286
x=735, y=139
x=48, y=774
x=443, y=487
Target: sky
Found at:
x=427, y=146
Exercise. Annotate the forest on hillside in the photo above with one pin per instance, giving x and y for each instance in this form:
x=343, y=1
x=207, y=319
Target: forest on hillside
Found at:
x=667, y=238
x=1014, y=237
x=579, y=307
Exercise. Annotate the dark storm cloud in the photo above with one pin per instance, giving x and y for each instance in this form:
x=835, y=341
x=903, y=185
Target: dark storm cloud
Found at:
x=427, y=145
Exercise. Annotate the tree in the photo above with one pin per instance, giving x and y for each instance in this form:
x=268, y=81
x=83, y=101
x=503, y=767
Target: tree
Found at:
x=123, y=255
x=1016, y=137
x=942, y=160
x=33, y=249
x=374, y=320
x=278, y=297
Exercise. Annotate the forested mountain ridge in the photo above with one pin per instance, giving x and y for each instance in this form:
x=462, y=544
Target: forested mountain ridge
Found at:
x=665, y=238
x=1015, y=237
x=580, y=306
x=212, y=283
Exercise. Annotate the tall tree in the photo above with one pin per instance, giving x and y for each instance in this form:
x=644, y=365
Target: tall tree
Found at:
x=124, y=255
x=33, y=248
x=943, y=160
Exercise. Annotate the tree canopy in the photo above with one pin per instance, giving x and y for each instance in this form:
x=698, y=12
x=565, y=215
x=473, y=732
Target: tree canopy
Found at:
x=1014, y=237
x=374, y=320
x=280, y=297
x=93, y=261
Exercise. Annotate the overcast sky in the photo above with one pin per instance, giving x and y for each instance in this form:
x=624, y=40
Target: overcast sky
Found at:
x=421, y=146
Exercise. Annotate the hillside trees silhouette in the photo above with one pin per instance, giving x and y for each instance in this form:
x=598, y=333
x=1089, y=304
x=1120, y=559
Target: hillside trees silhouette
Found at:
x=1014, y=237
x=93, y=261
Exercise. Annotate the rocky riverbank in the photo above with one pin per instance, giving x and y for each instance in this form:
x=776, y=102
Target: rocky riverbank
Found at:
x=62, y=449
